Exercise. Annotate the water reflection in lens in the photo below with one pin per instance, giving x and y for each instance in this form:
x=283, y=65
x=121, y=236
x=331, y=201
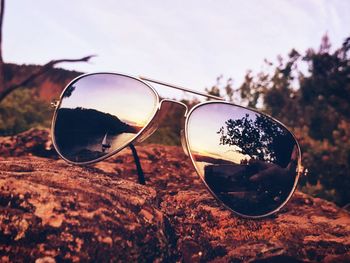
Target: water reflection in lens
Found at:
x=247, y=160
x=101, y=113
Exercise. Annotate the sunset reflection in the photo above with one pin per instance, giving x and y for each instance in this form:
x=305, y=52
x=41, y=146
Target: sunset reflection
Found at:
x=101, y=113
x=248, y=160
x=124, y=97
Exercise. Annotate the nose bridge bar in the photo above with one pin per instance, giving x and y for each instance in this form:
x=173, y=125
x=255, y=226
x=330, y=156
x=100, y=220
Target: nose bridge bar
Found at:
x=180, y=88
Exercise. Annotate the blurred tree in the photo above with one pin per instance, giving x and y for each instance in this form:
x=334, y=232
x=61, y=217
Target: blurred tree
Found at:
x=7, y=88
x=252, y=89
x=225, y=90
x=21, y=110
x=215, y=89
x=316, y=106
x=325, y=93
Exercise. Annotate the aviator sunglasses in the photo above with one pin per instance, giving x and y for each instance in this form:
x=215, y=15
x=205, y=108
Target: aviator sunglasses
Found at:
x=248, y=161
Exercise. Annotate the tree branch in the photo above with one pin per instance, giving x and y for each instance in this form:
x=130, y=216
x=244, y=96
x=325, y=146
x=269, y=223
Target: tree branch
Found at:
x=38, y=73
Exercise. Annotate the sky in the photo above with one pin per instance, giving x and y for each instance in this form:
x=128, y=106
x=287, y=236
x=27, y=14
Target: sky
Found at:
x=189, y=43
x=99, y=92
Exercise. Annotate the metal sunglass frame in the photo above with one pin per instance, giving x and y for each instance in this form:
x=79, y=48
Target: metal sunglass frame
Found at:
x=142, y=134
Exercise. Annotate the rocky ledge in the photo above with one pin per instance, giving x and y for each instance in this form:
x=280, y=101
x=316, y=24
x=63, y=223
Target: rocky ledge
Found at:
x=55, y=212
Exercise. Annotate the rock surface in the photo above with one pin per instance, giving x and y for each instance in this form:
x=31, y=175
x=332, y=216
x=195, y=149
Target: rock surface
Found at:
x=52, y=212
x=32, y=142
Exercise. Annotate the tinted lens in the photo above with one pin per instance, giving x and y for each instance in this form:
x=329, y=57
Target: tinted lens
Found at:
x=248, y=160
x=101, y=113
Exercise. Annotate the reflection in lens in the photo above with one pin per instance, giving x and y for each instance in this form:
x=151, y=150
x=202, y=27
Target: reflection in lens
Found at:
x=248, y=160
x=101, y=113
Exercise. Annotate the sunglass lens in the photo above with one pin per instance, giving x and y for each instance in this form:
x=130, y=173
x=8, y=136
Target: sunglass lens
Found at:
x=248, y=160
x=101, y=113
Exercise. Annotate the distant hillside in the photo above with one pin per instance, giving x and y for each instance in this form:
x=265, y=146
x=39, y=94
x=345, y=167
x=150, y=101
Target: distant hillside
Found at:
x=91, y=121
x=49, y=85
x=79, y=126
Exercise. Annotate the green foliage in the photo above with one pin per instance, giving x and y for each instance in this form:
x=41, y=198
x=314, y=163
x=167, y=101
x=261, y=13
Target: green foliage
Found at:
x=22, y=110
x=325, y=97
x=328, y=162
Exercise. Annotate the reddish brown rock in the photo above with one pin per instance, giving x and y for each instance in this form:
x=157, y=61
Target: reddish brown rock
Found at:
x=308, y=229
x=52, y=211
x=32, y=142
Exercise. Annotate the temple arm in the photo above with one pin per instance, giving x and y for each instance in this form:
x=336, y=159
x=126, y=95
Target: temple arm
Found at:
x=180, y=88
x=140, y=174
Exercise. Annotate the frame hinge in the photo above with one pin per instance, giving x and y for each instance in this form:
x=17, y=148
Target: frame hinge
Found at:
x=54, y=103
x=304, y=171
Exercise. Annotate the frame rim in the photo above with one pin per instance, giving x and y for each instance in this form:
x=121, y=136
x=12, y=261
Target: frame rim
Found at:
x=299, y=165
x=57, y=107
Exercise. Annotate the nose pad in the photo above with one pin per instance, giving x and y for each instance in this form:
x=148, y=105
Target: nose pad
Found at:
x=183, y=142
x=161, y=116
x=153, y=126
x=148, y=132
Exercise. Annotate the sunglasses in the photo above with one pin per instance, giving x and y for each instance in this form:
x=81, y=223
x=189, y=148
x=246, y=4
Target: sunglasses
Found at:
x=248, y=161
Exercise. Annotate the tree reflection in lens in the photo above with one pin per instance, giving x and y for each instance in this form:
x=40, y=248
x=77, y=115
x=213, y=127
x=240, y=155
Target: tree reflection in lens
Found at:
x=248, y=160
